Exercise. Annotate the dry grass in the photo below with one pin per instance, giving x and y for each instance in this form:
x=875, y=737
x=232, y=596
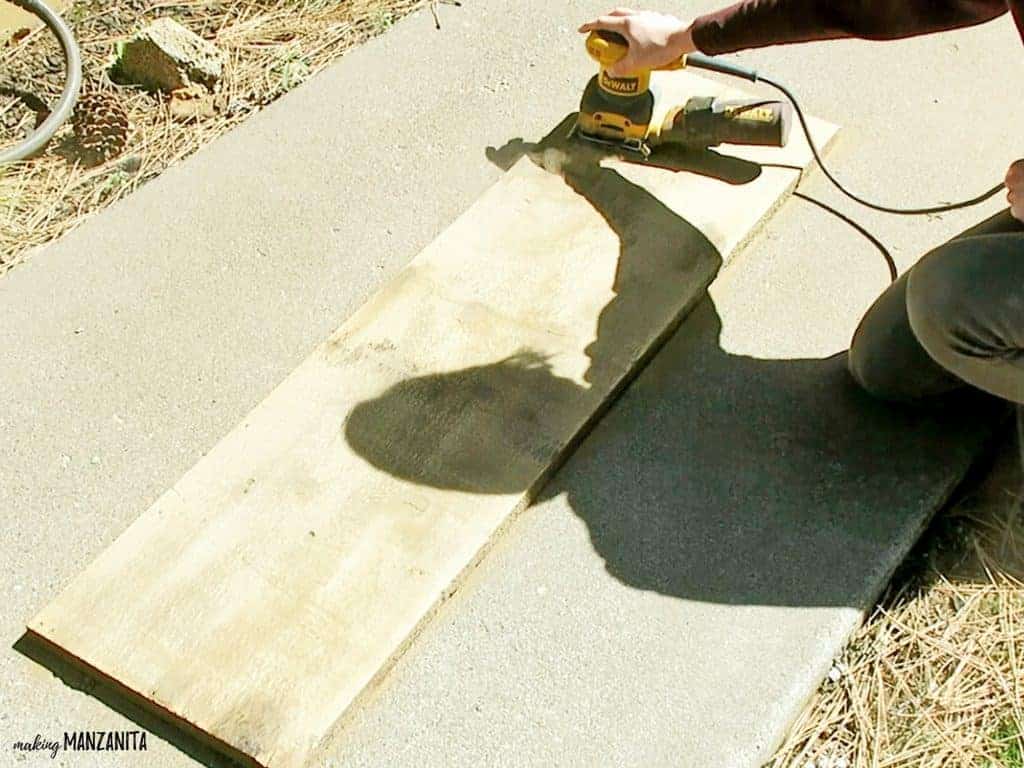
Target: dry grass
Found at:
x=271, y=46
x=935, y=677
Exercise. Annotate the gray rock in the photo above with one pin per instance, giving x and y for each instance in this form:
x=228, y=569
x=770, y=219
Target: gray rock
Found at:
x=165, y=56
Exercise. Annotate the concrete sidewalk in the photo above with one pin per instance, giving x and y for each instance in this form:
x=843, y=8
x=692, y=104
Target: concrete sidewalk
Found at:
x=135, y=343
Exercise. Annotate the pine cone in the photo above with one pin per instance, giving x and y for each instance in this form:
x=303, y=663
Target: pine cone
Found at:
x=101, y=126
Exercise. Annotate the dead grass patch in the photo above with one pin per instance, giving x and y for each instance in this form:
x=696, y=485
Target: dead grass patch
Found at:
x=271, y=46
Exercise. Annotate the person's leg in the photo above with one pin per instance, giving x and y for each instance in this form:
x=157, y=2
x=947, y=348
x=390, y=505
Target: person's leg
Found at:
x=965, y=303
x=909, y=346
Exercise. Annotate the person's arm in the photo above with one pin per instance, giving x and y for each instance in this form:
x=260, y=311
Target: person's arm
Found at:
x=758, y=23
x=657, y=38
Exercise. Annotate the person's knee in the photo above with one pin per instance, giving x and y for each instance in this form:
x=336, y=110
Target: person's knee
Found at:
x=941, y=294
x=883, y=347
x=966, y=308
x=873, y=370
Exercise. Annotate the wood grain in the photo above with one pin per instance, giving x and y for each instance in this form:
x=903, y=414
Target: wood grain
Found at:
x=261, y=594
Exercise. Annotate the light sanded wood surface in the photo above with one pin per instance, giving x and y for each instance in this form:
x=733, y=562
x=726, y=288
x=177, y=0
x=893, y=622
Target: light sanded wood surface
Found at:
x=262, y=593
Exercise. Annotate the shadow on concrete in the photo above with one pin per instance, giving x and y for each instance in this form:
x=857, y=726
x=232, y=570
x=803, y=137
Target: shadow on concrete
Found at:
x=718, y=477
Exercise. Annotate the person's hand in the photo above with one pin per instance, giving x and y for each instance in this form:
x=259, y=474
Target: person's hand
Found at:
x=1015, y=189
x=654, y=38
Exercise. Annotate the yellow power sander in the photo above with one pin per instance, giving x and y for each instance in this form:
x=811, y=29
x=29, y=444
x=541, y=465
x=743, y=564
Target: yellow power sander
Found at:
x=620, y=111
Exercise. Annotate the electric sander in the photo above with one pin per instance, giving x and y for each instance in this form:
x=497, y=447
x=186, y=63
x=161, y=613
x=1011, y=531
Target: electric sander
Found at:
x=620, y=111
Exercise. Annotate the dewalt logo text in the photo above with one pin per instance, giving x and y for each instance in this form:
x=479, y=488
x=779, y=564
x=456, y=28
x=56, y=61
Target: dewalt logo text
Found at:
x=624, y=85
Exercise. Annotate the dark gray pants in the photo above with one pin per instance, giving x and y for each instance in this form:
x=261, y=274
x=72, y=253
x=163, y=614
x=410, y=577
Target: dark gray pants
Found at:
x=955, y=318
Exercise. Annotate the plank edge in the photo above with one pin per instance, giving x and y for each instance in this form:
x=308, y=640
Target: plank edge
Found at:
x=32, y=641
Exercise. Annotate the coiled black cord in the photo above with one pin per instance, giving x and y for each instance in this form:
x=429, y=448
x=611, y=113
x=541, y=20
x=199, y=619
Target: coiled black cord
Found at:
x=73, y=65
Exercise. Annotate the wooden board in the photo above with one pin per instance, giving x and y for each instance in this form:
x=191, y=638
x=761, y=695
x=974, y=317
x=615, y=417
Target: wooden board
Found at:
x=260, y=595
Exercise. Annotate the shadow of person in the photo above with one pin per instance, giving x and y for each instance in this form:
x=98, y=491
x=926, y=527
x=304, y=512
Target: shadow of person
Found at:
x=661, y=256
x=730, y=479
x=716, y=477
